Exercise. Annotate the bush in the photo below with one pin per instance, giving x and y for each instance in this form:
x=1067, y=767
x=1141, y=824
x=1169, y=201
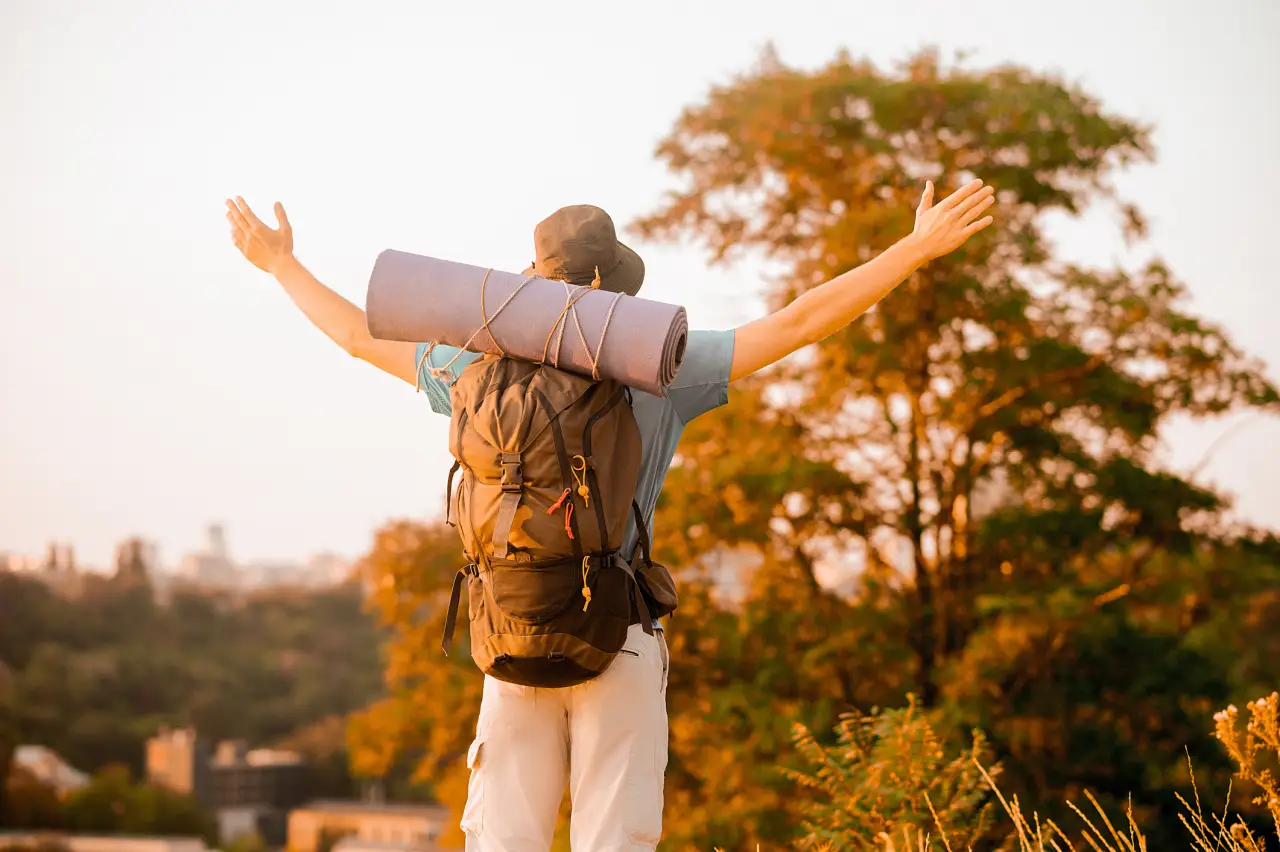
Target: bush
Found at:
x=888, y=777
x=887, y=785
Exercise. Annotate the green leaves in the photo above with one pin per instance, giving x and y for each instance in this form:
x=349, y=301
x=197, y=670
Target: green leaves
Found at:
x=94, y=677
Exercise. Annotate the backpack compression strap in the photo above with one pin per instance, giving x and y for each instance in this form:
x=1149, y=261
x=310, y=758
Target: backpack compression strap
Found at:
x=512, y=484
x=451, y=619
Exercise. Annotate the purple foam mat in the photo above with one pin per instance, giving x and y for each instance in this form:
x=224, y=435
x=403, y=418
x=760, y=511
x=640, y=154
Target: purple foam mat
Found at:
x=425, y=299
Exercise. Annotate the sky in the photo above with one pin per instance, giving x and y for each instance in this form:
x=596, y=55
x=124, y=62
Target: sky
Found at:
x=152, y=381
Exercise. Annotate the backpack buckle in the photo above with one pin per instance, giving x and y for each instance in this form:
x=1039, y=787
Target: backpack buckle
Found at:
x=512, y=473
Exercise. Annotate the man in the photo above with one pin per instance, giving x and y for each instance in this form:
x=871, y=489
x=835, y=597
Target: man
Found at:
x=606, y=738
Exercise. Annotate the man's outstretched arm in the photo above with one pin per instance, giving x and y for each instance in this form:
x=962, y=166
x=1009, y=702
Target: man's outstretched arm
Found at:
x=829, y=307
x=271, y=250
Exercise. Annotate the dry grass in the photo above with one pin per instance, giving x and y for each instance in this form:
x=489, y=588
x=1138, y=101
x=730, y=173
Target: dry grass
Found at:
x=1254, y=746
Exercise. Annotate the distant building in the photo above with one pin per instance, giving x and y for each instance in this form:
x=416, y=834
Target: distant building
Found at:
x=280, y=574
x=56, y=569
x=358, y=826
x=59, y=556
x=248, y=791
x=328, y=569
x=352, y=843
x=178, y=760
x=103, y=843
x=234, y=823
x=48, y=767
x=136, y=560
x=20, y=564
x=218, y=542
x=316, y=571
x=207, y=570
x=239, y=777
x=212, y=566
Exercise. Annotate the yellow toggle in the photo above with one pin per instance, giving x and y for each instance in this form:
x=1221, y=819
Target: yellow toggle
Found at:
x=580, y=476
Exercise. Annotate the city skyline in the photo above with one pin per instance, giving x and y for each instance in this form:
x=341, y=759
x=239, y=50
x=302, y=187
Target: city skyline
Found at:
x=212, y=565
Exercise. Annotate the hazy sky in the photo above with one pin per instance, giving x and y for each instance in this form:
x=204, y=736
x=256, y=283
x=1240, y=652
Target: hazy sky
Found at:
x=152, y=381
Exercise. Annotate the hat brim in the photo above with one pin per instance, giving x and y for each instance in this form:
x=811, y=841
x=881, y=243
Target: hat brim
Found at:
x=627, y=276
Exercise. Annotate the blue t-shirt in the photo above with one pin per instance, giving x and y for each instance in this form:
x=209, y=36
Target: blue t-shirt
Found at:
x=702, y=384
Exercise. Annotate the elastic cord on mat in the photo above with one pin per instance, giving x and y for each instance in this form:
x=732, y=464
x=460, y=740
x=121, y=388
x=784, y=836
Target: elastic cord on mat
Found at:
x=556, y=333
x=571, y=308
x=571, y=300
x=595, y=359
x=485, y=319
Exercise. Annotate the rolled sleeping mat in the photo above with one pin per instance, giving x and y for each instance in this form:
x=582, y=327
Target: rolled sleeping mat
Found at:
x=634, y=341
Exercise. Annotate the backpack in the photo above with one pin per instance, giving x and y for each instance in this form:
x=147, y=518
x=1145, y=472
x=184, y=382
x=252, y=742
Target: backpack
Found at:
x=549, y=463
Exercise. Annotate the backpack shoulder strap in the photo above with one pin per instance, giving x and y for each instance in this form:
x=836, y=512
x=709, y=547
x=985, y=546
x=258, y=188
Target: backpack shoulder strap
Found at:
x=645, y=618
x=448, y=494
x=642, y=532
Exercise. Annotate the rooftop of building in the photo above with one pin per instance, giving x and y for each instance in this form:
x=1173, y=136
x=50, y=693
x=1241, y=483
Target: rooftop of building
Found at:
x=345, y=806
x=94, y=835
x=356, y=844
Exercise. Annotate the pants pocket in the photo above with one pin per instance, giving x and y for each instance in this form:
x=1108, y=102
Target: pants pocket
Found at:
x=665, y=655
x=473, y=813
x=644, y=802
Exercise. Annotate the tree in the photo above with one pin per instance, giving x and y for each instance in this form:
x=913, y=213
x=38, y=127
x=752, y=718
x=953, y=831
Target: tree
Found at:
x=113, y=804
x=93, y=678
x=28, y=803
x=8, y=736
x=956, y=497
x=428, y=717
x=988, y=431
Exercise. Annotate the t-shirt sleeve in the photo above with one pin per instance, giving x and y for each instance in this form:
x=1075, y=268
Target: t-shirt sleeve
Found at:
x=433, y=377
x=703, y=381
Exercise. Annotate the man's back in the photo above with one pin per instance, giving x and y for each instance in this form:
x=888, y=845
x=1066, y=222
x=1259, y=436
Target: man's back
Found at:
x=701, y=385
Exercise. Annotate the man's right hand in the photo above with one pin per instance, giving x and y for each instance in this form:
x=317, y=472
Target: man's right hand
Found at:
x=943, y=228
x=266, y=248
x=271, y=250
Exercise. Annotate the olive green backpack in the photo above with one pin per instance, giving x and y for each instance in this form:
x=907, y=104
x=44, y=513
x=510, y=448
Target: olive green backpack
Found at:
x=549, y=463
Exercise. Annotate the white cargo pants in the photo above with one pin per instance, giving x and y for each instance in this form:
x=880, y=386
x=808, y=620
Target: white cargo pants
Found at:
x=607, y=738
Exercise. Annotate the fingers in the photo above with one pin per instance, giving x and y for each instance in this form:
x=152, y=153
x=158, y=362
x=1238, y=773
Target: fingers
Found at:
x=926, y=200
x=239, y=237
x=235, y=217
x=977, y=226
x=248, y=214
x=976, y=206
x=240, y=229
x=960, y=195
x=281, y=218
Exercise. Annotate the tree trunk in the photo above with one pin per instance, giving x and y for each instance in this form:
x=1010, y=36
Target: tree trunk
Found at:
x=923, y=633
